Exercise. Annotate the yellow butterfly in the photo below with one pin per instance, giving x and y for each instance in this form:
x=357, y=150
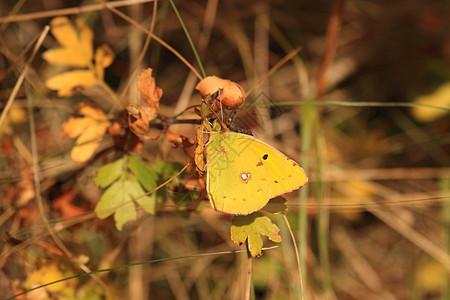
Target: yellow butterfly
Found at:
x=244, y=173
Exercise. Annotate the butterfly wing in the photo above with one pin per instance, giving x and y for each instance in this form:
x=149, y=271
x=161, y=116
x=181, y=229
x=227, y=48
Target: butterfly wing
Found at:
x=285, y=175
x=244, y=173
x=234, y=184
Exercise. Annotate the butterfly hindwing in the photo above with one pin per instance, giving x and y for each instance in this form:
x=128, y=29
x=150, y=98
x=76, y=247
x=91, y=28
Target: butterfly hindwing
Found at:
x=234, y=185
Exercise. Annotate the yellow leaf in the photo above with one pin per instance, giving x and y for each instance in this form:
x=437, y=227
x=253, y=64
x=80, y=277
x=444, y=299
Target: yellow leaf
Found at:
x=64, y=32
x=66, y=57
x=104, y=57
x=74, y=127
x=94, y=113
x=89, y=129
x=87, y=142
x=86, y=38
x=65, y=83
x=17, y=115
x=77, y=48
x=429, y=275
x=44, y=275
x=440, y=97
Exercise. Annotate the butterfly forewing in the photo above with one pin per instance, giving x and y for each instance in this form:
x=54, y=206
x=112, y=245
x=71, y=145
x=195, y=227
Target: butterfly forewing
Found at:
x=284, y=173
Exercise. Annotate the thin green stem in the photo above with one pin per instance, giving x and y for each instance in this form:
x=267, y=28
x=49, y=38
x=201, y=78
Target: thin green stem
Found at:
x=189, y=38
x=445, y=187
x=126, y=266
x=323, y=215
x=353, y=104
x=307, y=116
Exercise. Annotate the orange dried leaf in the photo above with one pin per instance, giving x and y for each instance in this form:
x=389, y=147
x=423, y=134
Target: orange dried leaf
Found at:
x=89, y=130
x=141, y=125
x=178, y=140
x=231, y=95
x=150, y=93
x=141, y=116
x=63, y=204
x=77, y=48
x=65, y=83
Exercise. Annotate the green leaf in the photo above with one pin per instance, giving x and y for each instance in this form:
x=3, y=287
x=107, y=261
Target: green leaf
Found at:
x=251, y=228
x=109, y=173
x=136, y=192
x=276, y=205
x=166, y=170
x=117, y=200
x=144, y=174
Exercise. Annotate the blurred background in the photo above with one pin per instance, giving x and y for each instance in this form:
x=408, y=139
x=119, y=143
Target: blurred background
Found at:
x=354, y=108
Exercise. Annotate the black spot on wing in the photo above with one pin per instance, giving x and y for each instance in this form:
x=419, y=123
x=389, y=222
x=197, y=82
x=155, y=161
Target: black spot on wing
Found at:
x=265, y=156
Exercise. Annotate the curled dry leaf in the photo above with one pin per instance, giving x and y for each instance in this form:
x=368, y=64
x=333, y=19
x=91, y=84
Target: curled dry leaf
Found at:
x=230, y=97
x=139, y=119
x=88, y=130
x=192, y=181
x=141, y=116
x=150, y=93
x=178, y=140
x=119, y=131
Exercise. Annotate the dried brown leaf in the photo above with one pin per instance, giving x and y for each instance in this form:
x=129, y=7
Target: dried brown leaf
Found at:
x=150, y=93
x=231, y=94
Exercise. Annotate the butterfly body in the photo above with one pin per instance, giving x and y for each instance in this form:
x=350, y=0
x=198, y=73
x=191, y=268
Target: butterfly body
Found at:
x=244, y=173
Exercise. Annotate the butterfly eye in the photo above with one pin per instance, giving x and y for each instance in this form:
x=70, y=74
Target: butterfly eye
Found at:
x=265, y=156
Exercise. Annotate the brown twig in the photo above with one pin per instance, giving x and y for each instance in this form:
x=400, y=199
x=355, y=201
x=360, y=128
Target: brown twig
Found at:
x=19, y=81
x=143, y=51
x=35, y=168
x=69, y=11
x=273, y=69
x=156, y=38
x=333, y=30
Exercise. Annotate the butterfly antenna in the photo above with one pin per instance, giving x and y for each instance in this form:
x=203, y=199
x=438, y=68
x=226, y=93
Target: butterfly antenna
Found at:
x=219, y=94
x=233, y=119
